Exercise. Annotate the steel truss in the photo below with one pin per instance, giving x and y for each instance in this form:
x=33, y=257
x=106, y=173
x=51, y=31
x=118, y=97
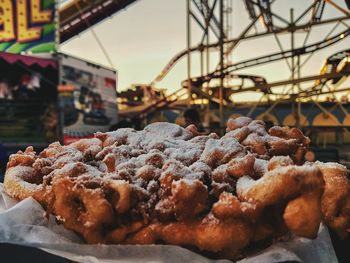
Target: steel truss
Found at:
x=214, y=83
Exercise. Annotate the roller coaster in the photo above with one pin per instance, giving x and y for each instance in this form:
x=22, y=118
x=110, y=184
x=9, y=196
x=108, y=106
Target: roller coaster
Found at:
x=79, y=15
x=215, y=84
x=222, y=77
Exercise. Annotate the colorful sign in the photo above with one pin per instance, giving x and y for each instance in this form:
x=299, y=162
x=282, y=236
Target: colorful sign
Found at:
x=27, y=26
x=87, y=97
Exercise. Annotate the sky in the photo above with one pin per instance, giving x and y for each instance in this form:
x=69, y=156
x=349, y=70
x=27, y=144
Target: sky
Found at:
x=141, y=39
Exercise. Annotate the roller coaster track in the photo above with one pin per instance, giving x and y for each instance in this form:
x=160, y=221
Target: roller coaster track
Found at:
x=183, y=53
x=260, y=83
x=323, y=78
x=337, y=57
x=78, y=15
x=272, y=57
x=266, y=87
x=332, y=63
x=157, y=105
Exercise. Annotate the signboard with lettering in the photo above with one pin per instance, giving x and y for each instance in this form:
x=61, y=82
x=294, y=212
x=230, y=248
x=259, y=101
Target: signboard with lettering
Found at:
x=87, y=97
x=27, y=26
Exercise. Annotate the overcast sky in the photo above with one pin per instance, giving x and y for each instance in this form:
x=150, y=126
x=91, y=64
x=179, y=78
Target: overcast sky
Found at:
x=141, y=40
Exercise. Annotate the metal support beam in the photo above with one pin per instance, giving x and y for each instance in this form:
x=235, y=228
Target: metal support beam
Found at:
x=221, y=40
x=188, y=30
x=322, y=78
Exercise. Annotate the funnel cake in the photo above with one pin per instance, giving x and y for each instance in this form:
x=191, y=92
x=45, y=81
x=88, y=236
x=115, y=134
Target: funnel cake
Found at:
x=167, y=184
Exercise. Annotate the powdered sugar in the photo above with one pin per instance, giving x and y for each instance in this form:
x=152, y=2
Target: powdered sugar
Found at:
x=20, y=175
x=221, y=151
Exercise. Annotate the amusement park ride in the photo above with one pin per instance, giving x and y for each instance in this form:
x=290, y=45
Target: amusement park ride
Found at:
x=293, y=101
x=215, y=83
x=78, y=15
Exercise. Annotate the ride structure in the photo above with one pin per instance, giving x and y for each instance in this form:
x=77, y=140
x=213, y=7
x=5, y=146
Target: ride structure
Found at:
x=79, y=15
x=217, y=74
x=215, y=77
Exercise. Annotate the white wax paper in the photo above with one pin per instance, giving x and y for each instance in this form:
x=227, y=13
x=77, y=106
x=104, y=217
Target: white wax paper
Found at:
x=23, y=223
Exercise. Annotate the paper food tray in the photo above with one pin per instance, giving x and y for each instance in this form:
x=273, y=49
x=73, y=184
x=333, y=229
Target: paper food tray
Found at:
x=23, y=223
